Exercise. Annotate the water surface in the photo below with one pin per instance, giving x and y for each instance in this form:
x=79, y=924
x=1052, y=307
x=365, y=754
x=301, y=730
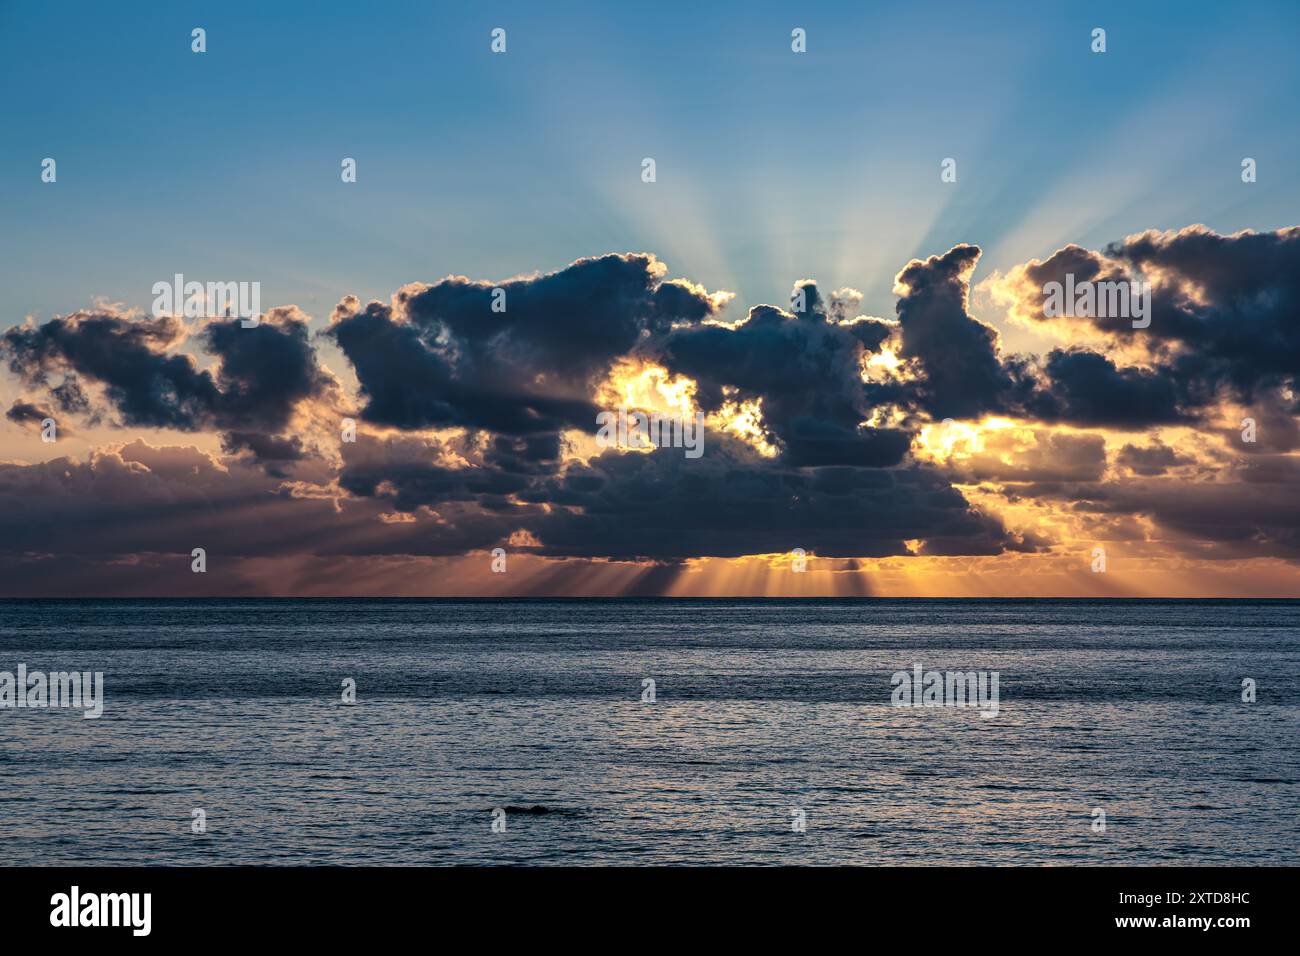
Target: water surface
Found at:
x=762, y=708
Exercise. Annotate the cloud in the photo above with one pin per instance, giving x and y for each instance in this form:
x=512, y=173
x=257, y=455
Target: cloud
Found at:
x=476, y=408
x=957, y=354
x=415, y=472
x=1085, y=388
x=1225, y=306
x=1222, y=326
x=1212, y=520
x=26, y=413
x=262, y=373
x=731, y=502
x=805, y=368
x=442, y=355
x=1025, y=454
x=138, y=499
x=129, y=357
x=1152, y=460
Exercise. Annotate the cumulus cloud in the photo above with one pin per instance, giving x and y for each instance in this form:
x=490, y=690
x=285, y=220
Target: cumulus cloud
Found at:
x=261, y=374
x=517, y=361
x=805, y=369
x=477, y=400
x=962, y=376
x=1222, y=324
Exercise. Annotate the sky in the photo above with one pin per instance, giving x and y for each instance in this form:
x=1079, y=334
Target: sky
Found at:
x=920, y=428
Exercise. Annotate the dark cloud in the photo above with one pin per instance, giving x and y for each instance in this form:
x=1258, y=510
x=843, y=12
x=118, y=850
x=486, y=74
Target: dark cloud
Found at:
x=129, y=357
x=70, y=398
x=1216, y=520
x=411, y=381
x=1086, y=388
x=415, y=472
x=24, y=413
x=531, y=454
x=468, y=409
x=958, y=355
x=1228, y=302
x=566, y=326
x=270, y=451
x=805, y=368
x=1151, y=460
x=263, y=372
x=446, y=357
x=963, y=375
x=663, y=506
x=1222, y=321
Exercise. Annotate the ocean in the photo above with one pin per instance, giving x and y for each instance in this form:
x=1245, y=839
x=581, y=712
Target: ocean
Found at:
x=523, y=732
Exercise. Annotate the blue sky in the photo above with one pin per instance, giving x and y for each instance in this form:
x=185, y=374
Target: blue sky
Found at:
x=771, y=166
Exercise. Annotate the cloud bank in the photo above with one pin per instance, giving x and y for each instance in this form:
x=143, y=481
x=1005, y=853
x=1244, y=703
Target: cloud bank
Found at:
x=845, y=435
